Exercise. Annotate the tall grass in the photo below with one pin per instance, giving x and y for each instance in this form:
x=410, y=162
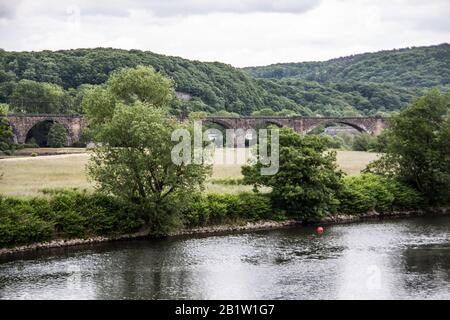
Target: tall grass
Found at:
x=27, y=175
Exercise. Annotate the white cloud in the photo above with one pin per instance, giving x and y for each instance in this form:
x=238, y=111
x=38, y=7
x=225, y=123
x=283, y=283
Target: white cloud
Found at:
x=252, y=33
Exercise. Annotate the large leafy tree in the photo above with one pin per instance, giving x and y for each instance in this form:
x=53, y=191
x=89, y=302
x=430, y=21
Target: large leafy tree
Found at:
x=132, y=159
x=40, y=97
x=418, y=148
x=307, y=181
x=143, y=84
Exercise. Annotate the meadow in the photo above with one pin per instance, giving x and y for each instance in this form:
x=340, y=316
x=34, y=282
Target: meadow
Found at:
x=25, y=176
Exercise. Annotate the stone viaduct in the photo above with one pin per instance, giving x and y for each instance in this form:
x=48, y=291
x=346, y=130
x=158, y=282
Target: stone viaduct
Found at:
x=74, y=124
x=302, y=125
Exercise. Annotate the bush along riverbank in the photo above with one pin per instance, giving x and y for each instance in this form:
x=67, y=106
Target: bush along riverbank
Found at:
x=69, y=217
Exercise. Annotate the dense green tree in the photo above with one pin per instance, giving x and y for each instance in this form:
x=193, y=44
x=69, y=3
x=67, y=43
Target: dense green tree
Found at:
x=307, y=181
x=57, y=136
x=132, y=158
x=417, y=150
x=134, y=163
x=143, y=84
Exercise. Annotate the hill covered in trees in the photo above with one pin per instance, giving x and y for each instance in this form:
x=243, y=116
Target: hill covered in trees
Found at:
x=416, y=67
x=371, y=82
x=55, y=81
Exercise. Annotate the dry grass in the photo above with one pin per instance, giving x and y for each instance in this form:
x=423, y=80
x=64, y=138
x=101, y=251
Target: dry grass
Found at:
x=27, y=175
x=352, y=162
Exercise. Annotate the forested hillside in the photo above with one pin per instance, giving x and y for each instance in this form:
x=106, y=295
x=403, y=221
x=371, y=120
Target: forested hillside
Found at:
x=416, y=67
x=55, y=81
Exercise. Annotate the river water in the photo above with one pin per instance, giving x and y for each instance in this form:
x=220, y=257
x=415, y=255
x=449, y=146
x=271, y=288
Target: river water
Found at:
x=396, y=259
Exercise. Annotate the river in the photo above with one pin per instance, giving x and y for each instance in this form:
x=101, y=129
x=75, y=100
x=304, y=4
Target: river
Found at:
x=392, y=259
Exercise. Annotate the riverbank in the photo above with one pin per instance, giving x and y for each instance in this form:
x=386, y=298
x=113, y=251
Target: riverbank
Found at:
x=224, y=229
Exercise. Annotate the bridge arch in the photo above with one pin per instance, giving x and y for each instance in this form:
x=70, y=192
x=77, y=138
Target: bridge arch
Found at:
x=39, y=130
x=217, y=121
x=267, y=122
x=311, y=125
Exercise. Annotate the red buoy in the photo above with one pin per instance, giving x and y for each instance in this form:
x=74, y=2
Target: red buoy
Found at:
x=319, y=230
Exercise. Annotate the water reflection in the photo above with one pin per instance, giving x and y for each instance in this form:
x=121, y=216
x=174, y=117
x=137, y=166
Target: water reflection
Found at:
x=397, y=259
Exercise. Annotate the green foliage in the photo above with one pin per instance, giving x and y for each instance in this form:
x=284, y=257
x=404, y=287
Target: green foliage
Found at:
x=409, y=67
x=63, y=214
x=215, y=208
x=214, y=86
x=307, y=181
x=369, y=192
x=57, y=136
x=356, y=142
x=417, y=150
x=141, y=84
x=134, y=163
x=334, y=142
x=224, y=113
x=132, y=159
x=228, y=181
x=6, y=134
x=39, y=97
x=364, y=142
x=375, y=83
x=370, y=83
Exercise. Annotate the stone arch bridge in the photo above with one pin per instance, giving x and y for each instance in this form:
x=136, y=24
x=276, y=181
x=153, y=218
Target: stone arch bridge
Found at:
x=302, y=125
x=74, y=124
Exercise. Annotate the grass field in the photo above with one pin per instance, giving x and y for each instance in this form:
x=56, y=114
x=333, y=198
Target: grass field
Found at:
x=24, y=176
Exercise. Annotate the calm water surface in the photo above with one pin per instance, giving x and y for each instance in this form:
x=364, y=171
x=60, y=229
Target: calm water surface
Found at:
x=401, y=259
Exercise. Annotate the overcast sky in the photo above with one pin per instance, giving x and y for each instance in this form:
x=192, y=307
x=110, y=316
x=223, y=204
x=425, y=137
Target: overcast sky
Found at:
x=239, y=32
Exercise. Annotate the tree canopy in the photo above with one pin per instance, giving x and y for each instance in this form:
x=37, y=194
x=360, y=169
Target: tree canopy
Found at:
x=132, y=158
x=307, y=182
x=417, y=147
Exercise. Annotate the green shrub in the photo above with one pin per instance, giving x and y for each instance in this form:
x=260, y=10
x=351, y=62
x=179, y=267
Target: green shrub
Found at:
x=334, y=142
x=21, y=224
x=404, y=195
x=253, y=206
x=368, y=192
x=228, y=181
x=57, y=136
x=63, y=214
x=363, y=142
x=216, y=208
